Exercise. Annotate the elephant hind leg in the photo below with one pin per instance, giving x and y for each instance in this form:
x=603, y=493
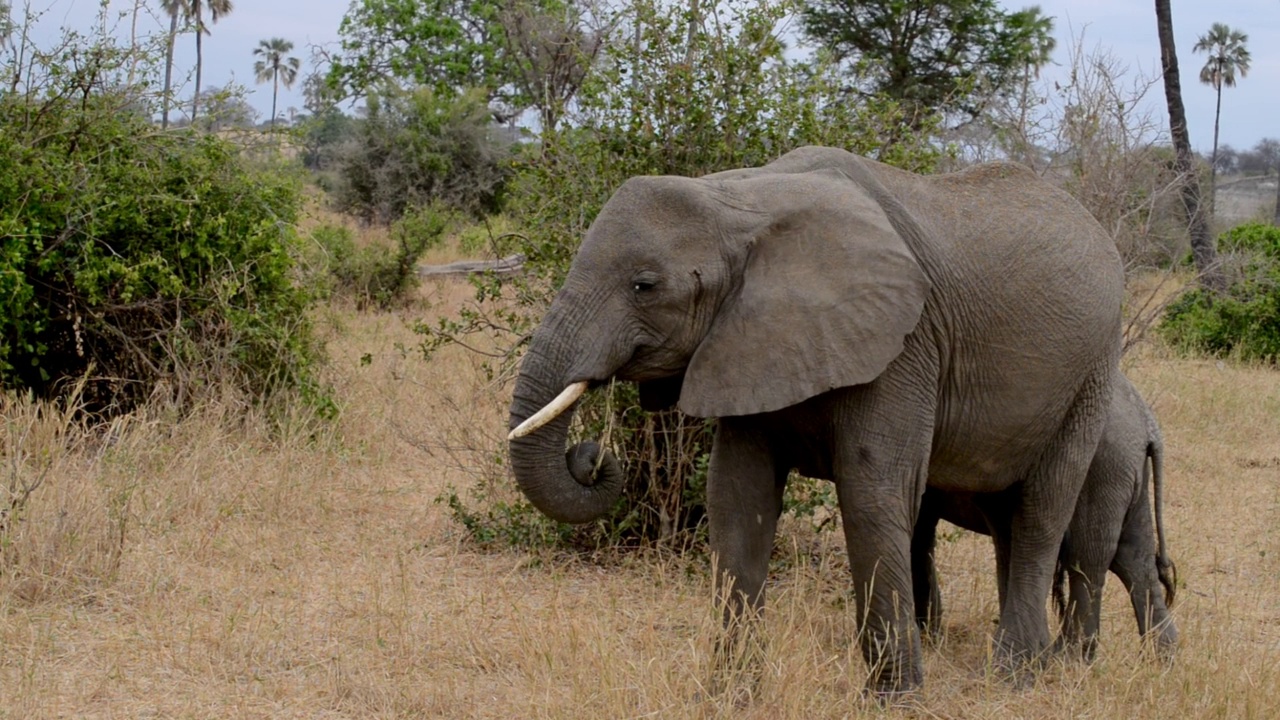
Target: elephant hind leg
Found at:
x=1136, y=565
x=1040, y=520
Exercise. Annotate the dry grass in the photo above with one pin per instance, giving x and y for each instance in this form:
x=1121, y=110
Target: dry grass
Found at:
x=205, y=568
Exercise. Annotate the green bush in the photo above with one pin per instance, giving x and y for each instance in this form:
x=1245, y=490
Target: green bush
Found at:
x=416, y=147
x=321, y=135
x=1256, y=239
x=135, y=257
x=1243, y=322
x=378, y=275
x=730, y=99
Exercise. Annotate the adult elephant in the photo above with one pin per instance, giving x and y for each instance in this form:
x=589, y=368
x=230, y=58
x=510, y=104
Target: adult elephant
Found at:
x=858, y=323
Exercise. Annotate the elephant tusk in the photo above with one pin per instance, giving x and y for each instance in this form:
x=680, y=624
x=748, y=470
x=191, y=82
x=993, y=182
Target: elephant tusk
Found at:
x=567, y=397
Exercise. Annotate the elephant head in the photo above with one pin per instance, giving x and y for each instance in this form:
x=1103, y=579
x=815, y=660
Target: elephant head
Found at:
x=732, y=294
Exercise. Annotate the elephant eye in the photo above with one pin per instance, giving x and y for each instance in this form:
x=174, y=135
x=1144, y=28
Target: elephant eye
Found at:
x=642, y=286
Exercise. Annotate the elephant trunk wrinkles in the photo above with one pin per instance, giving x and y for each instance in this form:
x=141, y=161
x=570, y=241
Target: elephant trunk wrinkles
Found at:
x=574, y=486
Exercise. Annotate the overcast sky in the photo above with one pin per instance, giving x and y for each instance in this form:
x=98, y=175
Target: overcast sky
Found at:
x=1250, y=111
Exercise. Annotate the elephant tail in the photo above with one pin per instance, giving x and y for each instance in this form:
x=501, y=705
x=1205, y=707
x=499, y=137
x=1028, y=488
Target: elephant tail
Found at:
x=1167, y=571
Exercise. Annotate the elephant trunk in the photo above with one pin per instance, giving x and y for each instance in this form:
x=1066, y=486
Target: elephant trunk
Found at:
x=574, y=486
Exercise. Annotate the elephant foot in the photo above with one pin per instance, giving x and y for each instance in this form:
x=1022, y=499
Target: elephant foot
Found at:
x=1019, y=666
x=898, y=684
x=1073, y=649
x=895, y=699
x=737, y=667
x=736, y=695
x=1166, y=642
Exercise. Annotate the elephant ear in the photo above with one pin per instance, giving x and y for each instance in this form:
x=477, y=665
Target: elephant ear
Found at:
x=828, y=292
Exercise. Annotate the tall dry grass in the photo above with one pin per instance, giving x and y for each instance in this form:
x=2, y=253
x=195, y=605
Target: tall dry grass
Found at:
x=214, y=565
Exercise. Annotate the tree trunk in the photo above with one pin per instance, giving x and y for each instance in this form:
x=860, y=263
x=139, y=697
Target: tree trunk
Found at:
x=695, y=21
x=195, y=101
x=275, y=91
x=1275, y=219
x=133, y=44
x=1202, y=243
x=168, y=71
x=1213, y=161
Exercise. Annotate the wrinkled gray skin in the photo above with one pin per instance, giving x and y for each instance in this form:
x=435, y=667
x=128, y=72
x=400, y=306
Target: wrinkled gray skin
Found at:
x=857, y=323
x=1111, y=529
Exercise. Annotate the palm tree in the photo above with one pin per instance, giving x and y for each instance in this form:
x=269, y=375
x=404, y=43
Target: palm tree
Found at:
x=277, y=68
x=1227, y=56
x=195, y=10
x=174, y=9
x=1037, y=52
x=1202, y=247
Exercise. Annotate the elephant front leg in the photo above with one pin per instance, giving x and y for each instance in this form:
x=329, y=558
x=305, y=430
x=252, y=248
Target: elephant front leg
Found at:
x=744, y=500
x=1082, y=620
x=924, y=573
x=1087, y=550
x=878, y=533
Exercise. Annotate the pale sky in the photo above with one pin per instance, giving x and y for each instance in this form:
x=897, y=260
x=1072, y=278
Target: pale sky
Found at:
x=1250, y=111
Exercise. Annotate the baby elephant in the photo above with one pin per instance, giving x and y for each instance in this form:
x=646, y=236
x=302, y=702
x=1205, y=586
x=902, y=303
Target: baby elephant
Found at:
x=1111, y=529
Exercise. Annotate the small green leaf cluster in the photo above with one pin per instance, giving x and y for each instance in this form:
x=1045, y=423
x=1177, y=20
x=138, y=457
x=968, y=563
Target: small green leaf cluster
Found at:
x=498, y=523
x=1243, y=322
x=135, y=257
x=675, y=93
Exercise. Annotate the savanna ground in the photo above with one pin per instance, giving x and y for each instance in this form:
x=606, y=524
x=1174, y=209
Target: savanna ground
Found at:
x=208, y=567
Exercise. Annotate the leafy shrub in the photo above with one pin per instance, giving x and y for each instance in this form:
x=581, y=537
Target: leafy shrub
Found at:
x=321, y=135
x=729, y=99
x=135, y=257
x=1244, y=322
x=485, y=236
x=379, y=275
x=1257, y=239
x=415, y=147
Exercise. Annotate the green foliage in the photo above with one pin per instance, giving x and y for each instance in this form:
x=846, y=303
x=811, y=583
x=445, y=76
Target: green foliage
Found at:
x=483, y=237
x=934, y=55
x=1243, y=322
x=321, y=136
x=1257, y=240
x=225, y=108
x=805, y=497
x=418, y=147
x=1228, y=56
x=441, y=44
x=500, y=523
x=519, y=53
x=378, y=275
x=723, y=96
x=139, y=258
